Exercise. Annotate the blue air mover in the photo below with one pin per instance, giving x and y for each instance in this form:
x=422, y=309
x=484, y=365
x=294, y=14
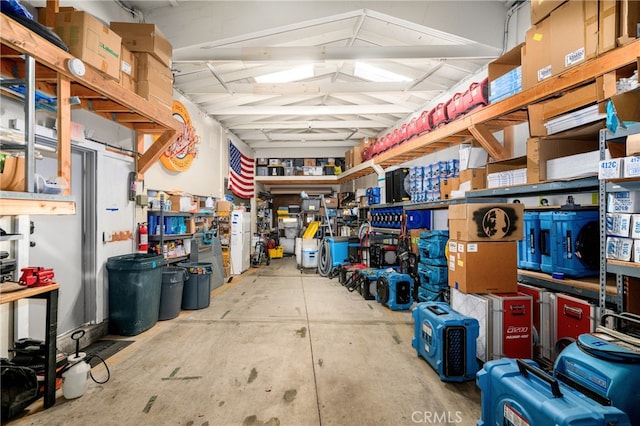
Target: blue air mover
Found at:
x=433, y=275
x=432, y=295
x=367, y=282
x=529, y=246
x=446, y=340
x=432, y=246
x=394, y=291
x=603, y=368
x=517, y=392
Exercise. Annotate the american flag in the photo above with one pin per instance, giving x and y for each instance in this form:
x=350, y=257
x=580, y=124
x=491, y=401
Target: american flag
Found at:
x=240, y=173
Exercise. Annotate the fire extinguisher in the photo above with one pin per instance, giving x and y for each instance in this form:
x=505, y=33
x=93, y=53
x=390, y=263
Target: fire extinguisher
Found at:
x=143, y=237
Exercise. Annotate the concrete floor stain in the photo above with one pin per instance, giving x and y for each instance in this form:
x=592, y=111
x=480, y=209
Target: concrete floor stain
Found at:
x=302, y=332
x=220, y=404
x=253, y=375
x=254, y=421
x=290, y=395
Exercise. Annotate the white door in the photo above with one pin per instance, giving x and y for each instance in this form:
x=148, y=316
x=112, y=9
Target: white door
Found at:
x=59, y=244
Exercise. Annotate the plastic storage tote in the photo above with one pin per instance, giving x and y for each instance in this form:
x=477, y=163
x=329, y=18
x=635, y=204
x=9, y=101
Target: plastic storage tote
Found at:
x=135, y=282
x=197, y=288
x=171, y=293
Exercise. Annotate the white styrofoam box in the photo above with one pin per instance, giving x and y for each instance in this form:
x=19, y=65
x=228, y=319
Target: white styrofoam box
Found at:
x=610, y=169
x=623, y=202
x=619, y=248
x=635, y=226
x=573, y=166
x=636, y=251
x=619, y=224
x=631, y=167
x=472, y=158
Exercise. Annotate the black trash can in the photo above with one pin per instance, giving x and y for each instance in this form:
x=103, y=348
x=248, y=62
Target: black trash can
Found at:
x=197, y=288
x=135, y=282
x=171, y=293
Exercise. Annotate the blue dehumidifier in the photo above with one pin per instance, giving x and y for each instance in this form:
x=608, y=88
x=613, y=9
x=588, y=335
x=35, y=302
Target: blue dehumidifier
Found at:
x=394, y=290
x=529, y=246
x=339, y=250
x=605, y=370
x=518, y=392
x=446, y=339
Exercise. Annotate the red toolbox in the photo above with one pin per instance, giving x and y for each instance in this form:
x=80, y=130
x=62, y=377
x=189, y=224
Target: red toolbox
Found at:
x=544, y=303
x=512, y=323
x=574, y=316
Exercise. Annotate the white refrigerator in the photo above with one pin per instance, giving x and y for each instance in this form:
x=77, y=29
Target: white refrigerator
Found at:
x=240, y=244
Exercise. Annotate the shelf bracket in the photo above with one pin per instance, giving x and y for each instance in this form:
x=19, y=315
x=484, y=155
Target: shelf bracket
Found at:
x=155, y=151
x=488, y=142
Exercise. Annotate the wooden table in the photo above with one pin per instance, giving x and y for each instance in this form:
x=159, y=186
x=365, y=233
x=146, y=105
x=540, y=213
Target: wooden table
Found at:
x=11, y=292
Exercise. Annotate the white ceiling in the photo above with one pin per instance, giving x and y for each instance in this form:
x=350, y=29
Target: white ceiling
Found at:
x=221, y=47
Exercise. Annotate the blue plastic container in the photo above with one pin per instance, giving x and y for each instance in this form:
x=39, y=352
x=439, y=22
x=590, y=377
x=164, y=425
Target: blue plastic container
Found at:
x=394, y=290
x=529, y=247
x=607, y=372
x=519, y=390
x=446, y=339
x=339, y=250
x=418, y=219
x=432, y=246
x=433, y=275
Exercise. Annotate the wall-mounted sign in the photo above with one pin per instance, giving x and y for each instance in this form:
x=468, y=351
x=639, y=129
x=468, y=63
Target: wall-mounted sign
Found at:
x=179, y=156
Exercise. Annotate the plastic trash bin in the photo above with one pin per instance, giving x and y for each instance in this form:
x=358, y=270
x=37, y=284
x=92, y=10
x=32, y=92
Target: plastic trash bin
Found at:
x=197, y=288
x=171, y=293
x=135, y=282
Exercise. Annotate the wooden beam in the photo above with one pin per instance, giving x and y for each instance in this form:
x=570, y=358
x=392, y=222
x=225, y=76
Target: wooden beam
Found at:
x=488, y=142
x=17, y=206
x=155, y=151
x=128, y=117
x=64, y=131
x=139, y=148
x=104, y=105
x=53, y=7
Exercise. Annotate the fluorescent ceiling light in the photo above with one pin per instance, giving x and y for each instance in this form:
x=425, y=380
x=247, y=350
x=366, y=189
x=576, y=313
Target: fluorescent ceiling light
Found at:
x=378, y=75
x=287, y=76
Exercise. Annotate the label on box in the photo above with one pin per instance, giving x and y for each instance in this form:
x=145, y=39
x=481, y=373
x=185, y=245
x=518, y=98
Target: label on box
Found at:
x=635, y=226
x=623, y=202
x=619, y=248
x=574, y=57
x=618, y=224
x=460, y=248
x=631, y=167
x=472, y=248
x=610, y=169
x=125, y=67
x=453, y=247
x=544, y=73
x=636, y=251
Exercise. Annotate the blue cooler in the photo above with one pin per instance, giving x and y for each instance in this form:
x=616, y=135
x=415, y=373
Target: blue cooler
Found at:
x=394, y=291
x=605, y=371
x=517, y=392
x=575, y=243
x=446, y=339
x=529, y=247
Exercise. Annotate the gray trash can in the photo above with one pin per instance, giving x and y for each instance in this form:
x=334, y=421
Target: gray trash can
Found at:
x=197, y=288
x=171, y=294
x=134, y=292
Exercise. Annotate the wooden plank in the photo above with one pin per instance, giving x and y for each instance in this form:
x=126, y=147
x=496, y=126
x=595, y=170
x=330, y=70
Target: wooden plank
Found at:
x=489, y=142
x=64, y=131
x=17, y=206
x=155, y=151
x=12, y=291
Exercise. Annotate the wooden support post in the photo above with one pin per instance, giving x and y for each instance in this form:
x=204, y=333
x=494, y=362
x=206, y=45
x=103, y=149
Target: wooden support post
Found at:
x=155, y=151
x=64, y=130
x=488, y=141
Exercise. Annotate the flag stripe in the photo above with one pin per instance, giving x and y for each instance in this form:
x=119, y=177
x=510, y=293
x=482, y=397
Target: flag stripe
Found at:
x=240, y=173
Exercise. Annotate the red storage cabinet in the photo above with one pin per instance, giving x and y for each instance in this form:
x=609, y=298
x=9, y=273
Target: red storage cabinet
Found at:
x=574, y=316
x=512, y=322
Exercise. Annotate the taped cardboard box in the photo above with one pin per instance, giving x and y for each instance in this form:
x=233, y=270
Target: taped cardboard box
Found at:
x=483, y=267
x=574, y=34
x=540, y=9
x=91, y=41
x=505, y=74
x=536, y=58
x=486, y=222
x=144, y=38
x=128, y=69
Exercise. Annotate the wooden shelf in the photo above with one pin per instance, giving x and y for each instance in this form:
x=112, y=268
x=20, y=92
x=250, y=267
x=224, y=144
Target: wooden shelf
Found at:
x=356, y=172
x=11, y=291
x=16, y=203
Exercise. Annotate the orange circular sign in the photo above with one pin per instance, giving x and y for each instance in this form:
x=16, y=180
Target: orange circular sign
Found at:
x=179, y=156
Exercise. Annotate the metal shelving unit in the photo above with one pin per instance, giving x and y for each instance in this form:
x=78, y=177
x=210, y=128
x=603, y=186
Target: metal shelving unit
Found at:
x=607, y=266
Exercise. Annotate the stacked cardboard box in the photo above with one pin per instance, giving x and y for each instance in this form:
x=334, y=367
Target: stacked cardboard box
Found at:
x=483, y=254
x=153, y=53
x=91, y=41
x=128, y=69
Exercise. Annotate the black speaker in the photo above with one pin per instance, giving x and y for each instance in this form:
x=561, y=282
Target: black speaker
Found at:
x=399, y=193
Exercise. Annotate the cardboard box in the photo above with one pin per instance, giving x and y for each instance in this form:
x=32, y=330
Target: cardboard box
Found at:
x=541, y=150
x=608, y=28
x=331, y=202
x=619, y=248
x=628, y=21
x=631, y=167
x=414, y=235
x=540, y=9
x=623, y=202
x=633, y=145
x=144, y=38
x=447, y=185
x=357, y=155
x=155, y=94
x=536, y=60
x=224, y=206
x=309, y=162
x=128, y=69
x=619, y=224
x=627, y=106
x=635, y=226
x=472, y=157
x=610, y=169
x=483, y=267
x=486, y=222
x=91, y=41
x=152, y=70
x=505, y=74
x=574, y=34
x=573, y=166
x=477, y=179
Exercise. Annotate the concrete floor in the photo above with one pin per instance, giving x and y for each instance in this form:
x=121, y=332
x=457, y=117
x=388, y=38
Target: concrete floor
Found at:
x=275, y=347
